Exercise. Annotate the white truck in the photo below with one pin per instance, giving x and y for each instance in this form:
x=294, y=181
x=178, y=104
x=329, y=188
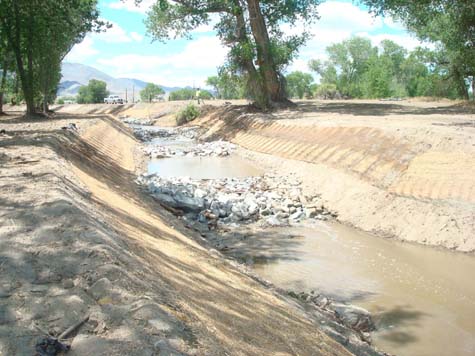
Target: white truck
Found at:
x=113, y=99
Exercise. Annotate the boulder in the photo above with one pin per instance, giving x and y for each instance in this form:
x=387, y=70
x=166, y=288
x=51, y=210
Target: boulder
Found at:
x=355, y=317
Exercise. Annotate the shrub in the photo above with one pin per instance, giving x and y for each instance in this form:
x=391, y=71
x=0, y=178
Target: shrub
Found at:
x=187, y=114
x=60, y=101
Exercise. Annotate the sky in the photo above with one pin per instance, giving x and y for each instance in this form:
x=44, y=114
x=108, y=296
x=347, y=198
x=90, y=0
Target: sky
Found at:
x=126, y=51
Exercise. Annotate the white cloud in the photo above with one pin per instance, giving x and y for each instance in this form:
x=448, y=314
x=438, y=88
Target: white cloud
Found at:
x=129, y=5
x=82, y=51
x=404, y=40
x=202, y=55
x=340, y=21
x=136, y=36
x=395, y=24
x=115, y=34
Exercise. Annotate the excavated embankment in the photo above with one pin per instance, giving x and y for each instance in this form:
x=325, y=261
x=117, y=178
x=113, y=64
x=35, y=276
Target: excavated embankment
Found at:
x=80, y=239
x=395, y=170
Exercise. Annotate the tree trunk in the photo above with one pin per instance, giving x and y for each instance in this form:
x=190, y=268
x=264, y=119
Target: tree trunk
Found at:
x=254, y=84
x=473, y=87
x=14, y=42
x=2, y=84
x=264, y=55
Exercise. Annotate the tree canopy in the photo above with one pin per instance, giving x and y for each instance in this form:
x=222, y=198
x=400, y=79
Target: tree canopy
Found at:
x=227, y=85
x=39, y=34
x=449, y=24
x=92, y=93
x=299, y=84
x=259, y=48
x=357, y=69
x=150, y=91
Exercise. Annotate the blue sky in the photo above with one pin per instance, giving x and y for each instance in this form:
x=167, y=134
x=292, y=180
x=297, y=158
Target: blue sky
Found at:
x=126, y=50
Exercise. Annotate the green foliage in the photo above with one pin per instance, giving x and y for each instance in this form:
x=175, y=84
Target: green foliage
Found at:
x=449, y=24
x=189, y=94
x=92, y=93
x=326, y=91
x=259, y=49
x=187, y=114
x=38, y=35
x=359, y=70
x=227, y=84
x=299, y=84
x=60, y=101
x=150, y=91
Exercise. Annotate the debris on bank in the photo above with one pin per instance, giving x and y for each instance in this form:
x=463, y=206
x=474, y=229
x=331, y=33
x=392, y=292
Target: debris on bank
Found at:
x=207, y=149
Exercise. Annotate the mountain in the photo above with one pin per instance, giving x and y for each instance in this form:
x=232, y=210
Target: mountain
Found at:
x=74, y=75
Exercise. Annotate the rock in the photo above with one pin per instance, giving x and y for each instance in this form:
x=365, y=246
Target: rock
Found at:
x=188, y=203
x=275, y=221
x=68, y=283
x=297, y=215
x=102, y=288
x=310, y=212
x=355, y=317
x=200, y=193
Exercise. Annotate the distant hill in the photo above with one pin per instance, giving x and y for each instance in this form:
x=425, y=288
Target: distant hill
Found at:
x=74, y=75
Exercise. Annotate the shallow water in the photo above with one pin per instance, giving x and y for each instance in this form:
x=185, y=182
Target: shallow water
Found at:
x=203, y=167
x=422, y=299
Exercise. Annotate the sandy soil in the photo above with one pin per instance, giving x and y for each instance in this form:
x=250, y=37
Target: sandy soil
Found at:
x=78, y=237
x=398, y=169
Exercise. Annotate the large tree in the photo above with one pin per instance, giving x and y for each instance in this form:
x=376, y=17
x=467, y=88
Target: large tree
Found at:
x=150, y=91
x=450, y=24
x=299, y=84
x=259, y=49
x=92, y=93
x=39, y=33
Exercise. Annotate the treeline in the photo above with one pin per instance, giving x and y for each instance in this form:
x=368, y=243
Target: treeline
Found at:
x=357, y=69
x=35, y=36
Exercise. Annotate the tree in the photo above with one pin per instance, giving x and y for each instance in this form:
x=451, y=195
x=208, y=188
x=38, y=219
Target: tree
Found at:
x=299, y=84
x=227, y=84
x=447, y=23
x=150, y=91
x=351, y=58
x=327, y=71
x=39, y=34
x=188, y=94
x=92, y=93
x=259, y=50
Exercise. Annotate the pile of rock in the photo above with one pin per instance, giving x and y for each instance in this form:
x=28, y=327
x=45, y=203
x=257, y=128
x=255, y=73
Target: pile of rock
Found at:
x=276, y=201
x=213, y=149
x=149, y=133
x=137, y=121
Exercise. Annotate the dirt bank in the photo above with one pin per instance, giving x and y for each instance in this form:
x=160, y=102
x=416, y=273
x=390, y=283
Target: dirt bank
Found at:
x=402, y=169
x=78, y=238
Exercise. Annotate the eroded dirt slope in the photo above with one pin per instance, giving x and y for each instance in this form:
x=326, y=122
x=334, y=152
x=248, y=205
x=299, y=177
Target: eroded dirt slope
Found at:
x=79, y=238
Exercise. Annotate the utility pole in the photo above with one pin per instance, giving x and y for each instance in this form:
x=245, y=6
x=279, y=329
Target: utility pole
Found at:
x=126, y=95
x=133, y=94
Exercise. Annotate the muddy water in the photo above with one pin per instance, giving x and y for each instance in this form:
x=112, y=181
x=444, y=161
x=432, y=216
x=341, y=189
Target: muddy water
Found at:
x=203, y=167
x=422, y=299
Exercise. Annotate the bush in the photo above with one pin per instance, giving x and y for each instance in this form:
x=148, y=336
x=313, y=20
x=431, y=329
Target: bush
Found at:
x=326, y=91
x=187, y=114
x=60, y=101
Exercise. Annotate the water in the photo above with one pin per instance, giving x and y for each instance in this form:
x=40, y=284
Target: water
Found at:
x=203, y=167
x=422, y=299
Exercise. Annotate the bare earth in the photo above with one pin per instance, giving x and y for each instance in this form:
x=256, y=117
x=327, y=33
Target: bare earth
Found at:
x=396, y=169
x=78, y=238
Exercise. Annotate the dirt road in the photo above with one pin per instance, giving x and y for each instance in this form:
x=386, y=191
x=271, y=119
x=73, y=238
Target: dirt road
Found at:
x=78, y=238
x=400, y=169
